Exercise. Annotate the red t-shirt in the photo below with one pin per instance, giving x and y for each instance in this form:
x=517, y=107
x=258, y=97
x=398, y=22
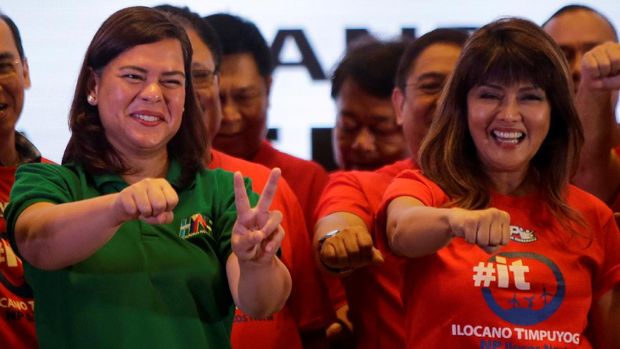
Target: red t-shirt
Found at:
x=306, y=178
x=308, y=307
x=17, y=328
x=373, y=293
x=616, y=204
x=536, y=291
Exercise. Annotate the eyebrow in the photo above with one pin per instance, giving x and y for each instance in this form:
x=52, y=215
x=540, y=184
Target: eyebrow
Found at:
x=524, y=88
x=144, y=71
x=7, y=55
x=433, y=75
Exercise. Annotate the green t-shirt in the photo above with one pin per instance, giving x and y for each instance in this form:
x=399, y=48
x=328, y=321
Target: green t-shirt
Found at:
x=150, y=286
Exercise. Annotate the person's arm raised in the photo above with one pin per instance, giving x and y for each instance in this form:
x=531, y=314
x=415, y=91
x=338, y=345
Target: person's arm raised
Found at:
x=599, y=166
x=259, y=282
x=415, y=230
x=53, y=236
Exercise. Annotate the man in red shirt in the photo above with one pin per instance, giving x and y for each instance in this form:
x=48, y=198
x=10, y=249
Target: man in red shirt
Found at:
x=17, y=328
x=366, y=134
x=345, y=230
x=590, y=44
x=246, y=76
x=307, y=312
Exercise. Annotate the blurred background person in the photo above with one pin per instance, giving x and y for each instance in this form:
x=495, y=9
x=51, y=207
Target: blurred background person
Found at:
x=495, y=234
x=245, y=83
x=366, y=135
x=590, y=43
x=131, y=242
x=307, y=312
x=345, y=231
x=17, y=329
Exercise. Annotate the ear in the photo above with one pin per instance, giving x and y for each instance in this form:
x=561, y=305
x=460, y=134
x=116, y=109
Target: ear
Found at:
x=398, y=103
x=26, y=73
x=92, y=85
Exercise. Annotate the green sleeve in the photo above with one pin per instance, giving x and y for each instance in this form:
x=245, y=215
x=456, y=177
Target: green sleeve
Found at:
x=38, y=182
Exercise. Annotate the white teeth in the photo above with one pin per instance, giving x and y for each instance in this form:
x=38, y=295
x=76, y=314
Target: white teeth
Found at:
x=508, y=136
x=148, y=118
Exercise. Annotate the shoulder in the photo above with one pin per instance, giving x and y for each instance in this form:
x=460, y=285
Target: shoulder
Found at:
x=397, y=167
x=587, y=204
x=49, y=170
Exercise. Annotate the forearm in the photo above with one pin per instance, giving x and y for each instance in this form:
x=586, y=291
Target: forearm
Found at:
x=336, y=221
x=259, y=289
x=415, y=230
x=597, y=173
x=52, y=236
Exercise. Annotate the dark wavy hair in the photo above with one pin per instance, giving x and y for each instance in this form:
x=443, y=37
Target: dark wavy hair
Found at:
x=507, y=51
x=123, y=30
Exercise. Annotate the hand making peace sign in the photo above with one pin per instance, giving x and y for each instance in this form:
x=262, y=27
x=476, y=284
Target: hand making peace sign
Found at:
x=257, y=234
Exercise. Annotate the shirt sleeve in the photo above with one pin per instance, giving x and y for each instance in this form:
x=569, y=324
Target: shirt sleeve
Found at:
x=38, y=182
x=344, y=193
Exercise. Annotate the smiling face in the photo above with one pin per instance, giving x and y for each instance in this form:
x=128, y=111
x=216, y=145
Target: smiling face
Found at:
x=14, y=79
x=508, y=124
x=140, y=96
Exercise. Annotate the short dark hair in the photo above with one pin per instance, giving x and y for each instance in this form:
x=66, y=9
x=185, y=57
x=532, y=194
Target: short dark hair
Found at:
x=415, y=49
x=203, y=29
x=238, y=35
x=578, y=7
x=123, y=30
x=16, y=36
x=371, y=64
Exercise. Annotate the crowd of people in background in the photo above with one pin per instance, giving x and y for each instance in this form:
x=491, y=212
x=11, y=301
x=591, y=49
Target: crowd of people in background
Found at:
x=473, y=206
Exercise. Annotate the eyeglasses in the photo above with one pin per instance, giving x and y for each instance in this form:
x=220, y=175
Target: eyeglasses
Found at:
x=8, y=69
x=203, y=78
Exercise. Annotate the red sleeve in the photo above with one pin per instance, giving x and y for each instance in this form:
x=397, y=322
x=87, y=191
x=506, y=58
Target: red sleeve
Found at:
x=345, y=193
x=409, y=183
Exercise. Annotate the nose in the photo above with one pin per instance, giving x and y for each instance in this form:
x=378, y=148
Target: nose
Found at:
x=152, y=92
x=230, y=113
x=364, y=141
x=510, y=110
x=575, y=68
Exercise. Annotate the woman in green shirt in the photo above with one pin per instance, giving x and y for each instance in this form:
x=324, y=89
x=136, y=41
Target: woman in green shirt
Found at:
x=131, y=242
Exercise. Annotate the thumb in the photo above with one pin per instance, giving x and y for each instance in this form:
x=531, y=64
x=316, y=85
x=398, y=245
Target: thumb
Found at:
x=377, y=257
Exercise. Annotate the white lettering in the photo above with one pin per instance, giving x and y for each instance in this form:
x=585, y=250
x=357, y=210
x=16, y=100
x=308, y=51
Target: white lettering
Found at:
x=518, y=271
x=481, y=331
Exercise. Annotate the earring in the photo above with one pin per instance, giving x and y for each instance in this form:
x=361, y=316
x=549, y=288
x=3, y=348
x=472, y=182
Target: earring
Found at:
x=91, y=100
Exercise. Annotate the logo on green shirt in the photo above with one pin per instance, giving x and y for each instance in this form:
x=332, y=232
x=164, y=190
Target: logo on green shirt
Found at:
x=195, y=225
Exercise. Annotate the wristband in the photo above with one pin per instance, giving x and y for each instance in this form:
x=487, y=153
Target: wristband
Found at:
x=328, y=235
